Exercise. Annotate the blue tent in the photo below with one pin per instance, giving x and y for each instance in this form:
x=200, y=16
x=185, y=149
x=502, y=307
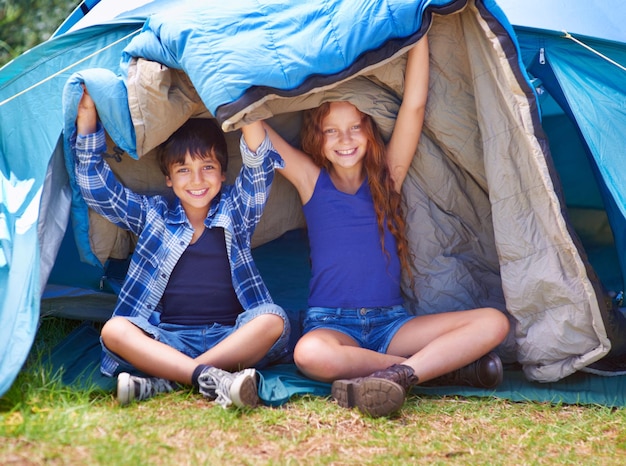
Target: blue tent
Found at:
x=575, y=54
x=486, y=214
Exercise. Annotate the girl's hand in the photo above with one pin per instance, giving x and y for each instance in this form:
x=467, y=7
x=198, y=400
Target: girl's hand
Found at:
x=253, y=134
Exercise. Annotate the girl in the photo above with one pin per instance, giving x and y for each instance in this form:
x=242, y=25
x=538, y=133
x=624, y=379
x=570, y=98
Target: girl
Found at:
x=357, y=334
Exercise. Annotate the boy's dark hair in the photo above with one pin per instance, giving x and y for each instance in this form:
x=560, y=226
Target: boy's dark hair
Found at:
x=200, y=137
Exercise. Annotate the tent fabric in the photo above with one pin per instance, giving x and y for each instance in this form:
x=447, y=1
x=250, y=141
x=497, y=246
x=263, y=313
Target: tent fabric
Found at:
x=585, y=81
x=280, y=383
x=597, y=19
x=486, y=217
x=577, y=61
x=34, y=193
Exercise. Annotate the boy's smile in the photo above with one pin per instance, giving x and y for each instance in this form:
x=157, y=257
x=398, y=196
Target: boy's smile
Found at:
x=196, y=182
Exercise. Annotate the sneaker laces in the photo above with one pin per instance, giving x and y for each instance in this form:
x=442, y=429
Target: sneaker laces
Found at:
x=148, y=387
x=223, y=391
x=215, y=384
x=206, y=385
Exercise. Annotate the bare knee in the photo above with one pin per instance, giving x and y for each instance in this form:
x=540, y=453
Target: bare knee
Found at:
x=270, y=326
x=115, y=331
x=497, y=323
x=313, y=357
x=303, y=352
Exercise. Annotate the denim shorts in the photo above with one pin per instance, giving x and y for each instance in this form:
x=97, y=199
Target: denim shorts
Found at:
x=371, y=327
x=194, y=340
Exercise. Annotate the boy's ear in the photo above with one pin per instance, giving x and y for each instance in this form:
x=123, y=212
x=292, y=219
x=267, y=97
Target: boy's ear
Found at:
x=223, y=177
x=168, y=182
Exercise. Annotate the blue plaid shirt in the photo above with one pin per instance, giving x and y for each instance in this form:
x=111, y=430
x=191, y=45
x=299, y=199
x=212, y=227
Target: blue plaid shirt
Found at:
x=164, y=231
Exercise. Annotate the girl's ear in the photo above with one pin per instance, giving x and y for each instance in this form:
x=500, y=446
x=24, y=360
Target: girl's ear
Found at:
x=168, y=182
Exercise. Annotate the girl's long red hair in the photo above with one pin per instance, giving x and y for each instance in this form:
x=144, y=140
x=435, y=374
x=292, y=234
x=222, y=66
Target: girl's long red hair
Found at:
x=387, y=201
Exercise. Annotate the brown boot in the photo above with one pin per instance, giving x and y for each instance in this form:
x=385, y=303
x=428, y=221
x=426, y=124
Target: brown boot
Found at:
x=380, y=394
x=485, y=372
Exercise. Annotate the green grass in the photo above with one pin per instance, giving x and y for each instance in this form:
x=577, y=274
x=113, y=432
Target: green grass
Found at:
x=43, y=422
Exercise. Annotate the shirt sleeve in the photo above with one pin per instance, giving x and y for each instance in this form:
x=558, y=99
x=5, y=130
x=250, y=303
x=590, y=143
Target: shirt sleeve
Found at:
x=101, y=190
x=264, y=151
x=252, y=186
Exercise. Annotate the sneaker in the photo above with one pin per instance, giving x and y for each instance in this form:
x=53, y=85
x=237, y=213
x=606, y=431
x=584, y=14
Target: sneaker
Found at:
x=380, y=394
x=226, y=388
x=133, y=388
x=485, y=372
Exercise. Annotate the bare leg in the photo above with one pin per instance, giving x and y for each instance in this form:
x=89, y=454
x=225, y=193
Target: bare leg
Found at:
x=432, y=345
x=440, y=343
x=243, y=348
x=145, y=353
x=435, y=345
x=247, y=345
x=328, y=355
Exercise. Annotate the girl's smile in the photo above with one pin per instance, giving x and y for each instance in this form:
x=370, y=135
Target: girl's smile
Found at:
x=345, y=141
x=346, y=152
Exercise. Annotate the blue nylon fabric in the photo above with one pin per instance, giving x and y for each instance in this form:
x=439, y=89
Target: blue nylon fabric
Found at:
x=592, y=91
x=109, y=94
x=229, y=49
x=607, y=97
x=31, y=123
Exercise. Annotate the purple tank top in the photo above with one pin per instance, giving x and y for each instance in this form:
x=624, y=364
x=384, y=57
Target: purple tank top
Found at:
x=348, y=265
x=200, y=290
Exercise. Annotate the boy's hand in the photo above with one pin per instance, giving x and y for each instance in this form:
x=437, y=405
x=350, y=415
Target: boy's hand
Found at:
x=87, y=119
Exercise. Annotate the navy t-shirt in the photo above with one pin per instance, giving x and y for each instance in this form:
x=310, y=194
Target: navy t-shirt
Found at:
x=200, y=290
x=348, y=266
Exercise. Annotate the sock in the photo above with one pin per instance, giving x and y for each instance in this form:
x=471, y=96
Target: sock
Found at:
x=196, y=373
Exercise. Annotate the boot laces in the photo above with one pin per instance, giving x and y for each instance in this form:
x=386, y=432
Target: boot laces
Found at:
x=399, y=373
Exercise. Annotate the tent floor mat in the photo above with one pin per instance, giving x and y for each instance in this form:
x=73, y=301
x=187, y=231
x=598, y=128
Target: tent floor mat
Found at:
x=77, y=360
x=77, y=357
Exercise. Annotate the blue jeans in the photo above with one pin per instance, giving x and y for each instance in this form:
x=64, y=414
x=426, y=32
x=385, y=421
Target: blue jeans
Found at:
x=194, y=340
x=372, y=328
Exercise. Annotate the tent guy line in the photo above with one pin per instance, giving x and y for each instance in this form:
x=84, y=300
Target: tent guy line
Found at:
x=591, y=49
x=37, y=84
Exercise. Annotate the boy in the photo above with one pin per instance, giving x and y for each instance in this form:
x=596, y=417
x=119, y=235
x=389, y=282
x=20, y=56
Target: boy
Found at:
x=193, y=305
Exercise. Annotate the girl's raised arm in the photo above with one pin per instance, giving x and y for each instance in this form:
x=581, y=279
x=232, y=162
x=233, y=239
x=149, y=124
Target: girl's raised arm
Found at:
x=408, y=128
x=253, y=134
x=299, y=167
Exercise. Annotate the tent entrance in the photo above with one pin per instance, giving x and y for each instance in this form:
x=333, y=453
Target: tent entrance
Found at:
x=583, y=197
x=580, y=94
